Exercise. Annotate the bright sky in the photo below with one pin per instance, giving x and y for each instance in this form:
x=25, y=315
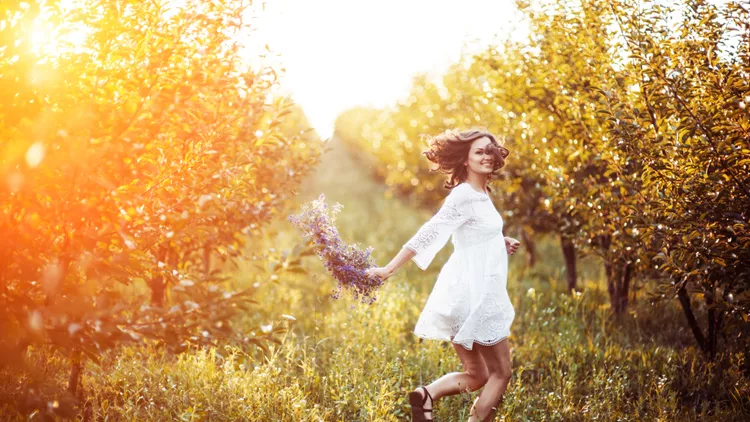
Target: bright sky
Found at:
x=342, y=53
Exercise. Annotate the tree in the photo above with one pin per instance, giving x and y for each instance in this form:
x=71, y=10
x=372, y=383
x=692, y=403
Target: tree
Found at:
x=688, y=125
x=139, y=155
x=628, y=125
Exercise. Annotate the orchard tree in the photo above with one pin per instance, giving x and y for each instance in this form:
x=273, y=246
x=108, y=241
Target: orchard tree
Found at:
x=628, y=125
x=688, y=124
x=590, y=179
x=137, y=147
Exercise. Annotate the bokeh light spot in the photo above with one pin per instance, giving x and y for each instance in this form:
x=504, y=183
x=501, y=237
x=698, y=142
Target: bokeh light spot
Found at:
x=35, y=154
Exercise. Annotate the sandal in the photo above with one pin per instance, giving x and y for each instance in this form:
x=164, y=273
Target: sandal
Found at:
x=417, y=402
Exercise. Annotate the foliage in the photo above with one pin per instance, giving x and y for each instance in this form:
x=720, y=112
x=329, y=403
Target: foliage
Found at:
x=143, y=167
x=688, y=125
x=626, y=123
x=571, y=361
x=137, y=146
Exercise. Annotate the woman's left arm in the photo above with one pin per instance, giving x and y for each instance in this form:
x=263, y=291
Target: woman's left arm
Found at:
x=511, y=245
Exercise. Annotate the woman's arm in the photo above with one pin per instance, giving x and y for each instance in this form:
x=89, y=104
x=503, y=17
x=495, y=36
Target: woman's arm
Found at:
x=386, y=272
x=511, y=245
x=432, y=236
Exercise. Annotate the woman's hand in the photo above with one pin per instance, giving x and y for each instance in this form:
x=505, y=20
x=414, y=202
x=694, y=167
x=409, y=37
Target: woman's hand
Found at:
x=380, y=272
x=511, y=245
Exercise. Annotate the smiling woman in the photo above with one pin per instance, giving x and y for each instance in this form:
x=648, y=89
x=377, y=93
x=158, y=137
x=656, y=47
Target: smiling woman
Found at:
x=449, y=151
x=469, y=304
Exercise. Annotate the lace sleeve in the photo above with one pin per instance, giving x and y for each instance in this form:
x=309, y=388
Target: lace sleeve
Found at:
x=434, y=234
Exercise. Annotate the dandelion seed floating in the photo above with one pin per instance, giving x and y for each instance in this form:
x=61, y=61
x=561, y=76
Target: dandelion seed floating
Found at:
x=346, y=263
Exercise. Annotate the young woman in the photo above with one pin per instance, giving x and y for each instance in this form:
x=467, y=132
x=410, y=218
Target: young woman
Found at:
x=469, y=304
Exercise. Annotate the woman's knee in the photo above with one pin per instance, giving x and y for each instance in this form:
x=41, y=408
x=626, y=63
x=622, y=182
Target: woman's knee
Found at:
x=501, y=374
x=478, y=378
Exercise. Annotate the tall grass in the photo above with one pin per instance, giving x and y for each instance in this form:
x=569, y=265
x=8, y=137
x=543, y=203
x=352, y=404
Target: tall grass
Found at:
x=571, y=359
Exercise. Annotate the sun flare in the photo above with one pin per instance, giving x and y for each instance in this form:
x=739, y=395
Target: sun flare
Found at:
x=50, y=39
x=339, y=54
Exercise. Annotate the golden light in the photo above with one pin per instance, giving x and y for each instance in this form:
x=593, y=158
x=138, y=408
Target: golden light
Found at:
x=50, y=40
x=42, y=36
x=35, y=154
x=367, y=52
x=15, y=181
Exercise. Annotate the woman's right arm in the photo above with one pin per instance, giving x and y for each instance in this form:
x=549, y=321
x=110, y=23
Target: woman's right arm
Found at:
x=386, y=272
x=431, y=237
x=434, y=234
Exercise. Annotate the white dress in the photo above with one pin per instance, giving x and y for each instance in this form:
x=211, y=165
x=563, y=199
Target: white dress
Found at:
x=469, y=303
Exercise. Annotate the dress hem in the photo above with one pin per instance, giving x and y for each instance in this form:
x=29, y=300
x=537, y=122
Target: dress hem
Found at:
x=481, y=343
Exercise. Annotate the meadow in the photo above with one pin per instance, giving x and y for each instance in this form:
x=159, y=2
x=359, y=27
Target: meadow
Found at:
x=149, y=164
x=344, y=361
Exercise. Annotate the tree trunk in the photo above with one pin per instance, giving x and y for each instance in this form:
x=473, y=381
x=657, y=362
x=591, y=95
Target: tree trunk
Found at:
x=714, y=325
x=627, y=276
x=569, y=253
x=158, y=284
x=74, y=384
x=207, y=259
x=714, y=329
x=687, y=309
x=75, y=371
x=618, y=285
x=709, y=343
x=530, y=247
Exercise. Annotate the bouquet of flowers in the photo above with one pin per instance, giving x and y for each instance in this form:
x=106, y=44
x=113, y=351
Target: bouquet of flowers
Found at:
x=346, y=263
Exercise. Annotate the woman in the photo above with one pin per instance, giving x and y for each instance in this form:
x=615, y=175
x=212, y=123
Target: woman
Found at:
x=469, y=304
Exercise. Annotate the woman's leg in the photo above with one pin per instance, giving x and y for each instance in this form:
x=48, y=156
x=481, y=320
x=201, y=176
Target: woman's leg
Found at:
x=497, y=359
x=473, y=378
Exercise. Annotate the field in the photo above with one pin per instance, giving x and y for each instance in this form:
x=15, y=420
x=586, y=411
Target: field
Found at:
x=342, y=361
x=151, y=154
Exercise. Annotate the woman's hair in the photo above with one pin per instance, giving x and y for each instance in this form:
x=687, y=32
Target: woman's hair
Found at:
x=451, y=148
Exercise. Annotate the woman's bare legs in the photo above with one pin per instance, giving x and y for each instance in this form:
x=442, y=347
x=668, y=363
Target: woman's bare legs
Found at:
x=497, y=359
x=473, y=378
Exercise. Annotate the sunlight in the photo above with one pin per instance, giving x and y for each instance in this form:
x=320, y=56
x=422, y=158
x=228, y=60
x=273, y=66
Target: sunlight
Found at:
x=339, y=54
x=51, y=40
x=177, y=243
x=42, y=36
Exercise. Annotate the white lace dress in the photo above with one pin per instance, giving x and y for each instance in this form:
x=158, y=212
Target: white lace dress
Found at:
x=469, y=303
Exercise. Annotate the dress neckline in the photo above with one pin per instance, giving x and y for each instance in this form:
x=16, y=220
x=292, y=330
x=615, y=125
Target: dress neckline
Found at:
x=474, y=190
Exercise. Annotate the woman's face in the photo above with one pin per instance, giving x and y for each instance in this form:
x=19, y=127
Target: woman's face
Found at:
x=479, y=160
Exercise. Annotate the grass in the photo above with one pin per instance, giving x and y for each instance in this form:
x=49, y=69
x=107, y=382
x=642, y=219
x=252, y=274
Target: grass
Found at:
x=571, y=359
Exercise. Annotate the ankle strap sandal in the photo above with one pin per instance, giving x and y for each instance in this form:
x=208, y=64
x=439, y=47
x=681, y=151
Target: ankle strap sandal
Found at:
x=417, y=402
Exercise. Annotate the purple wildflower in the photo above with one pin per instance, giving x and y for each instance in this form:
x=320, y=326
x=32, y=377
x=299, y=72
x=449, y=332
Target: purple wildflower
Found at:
x=346, y=263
